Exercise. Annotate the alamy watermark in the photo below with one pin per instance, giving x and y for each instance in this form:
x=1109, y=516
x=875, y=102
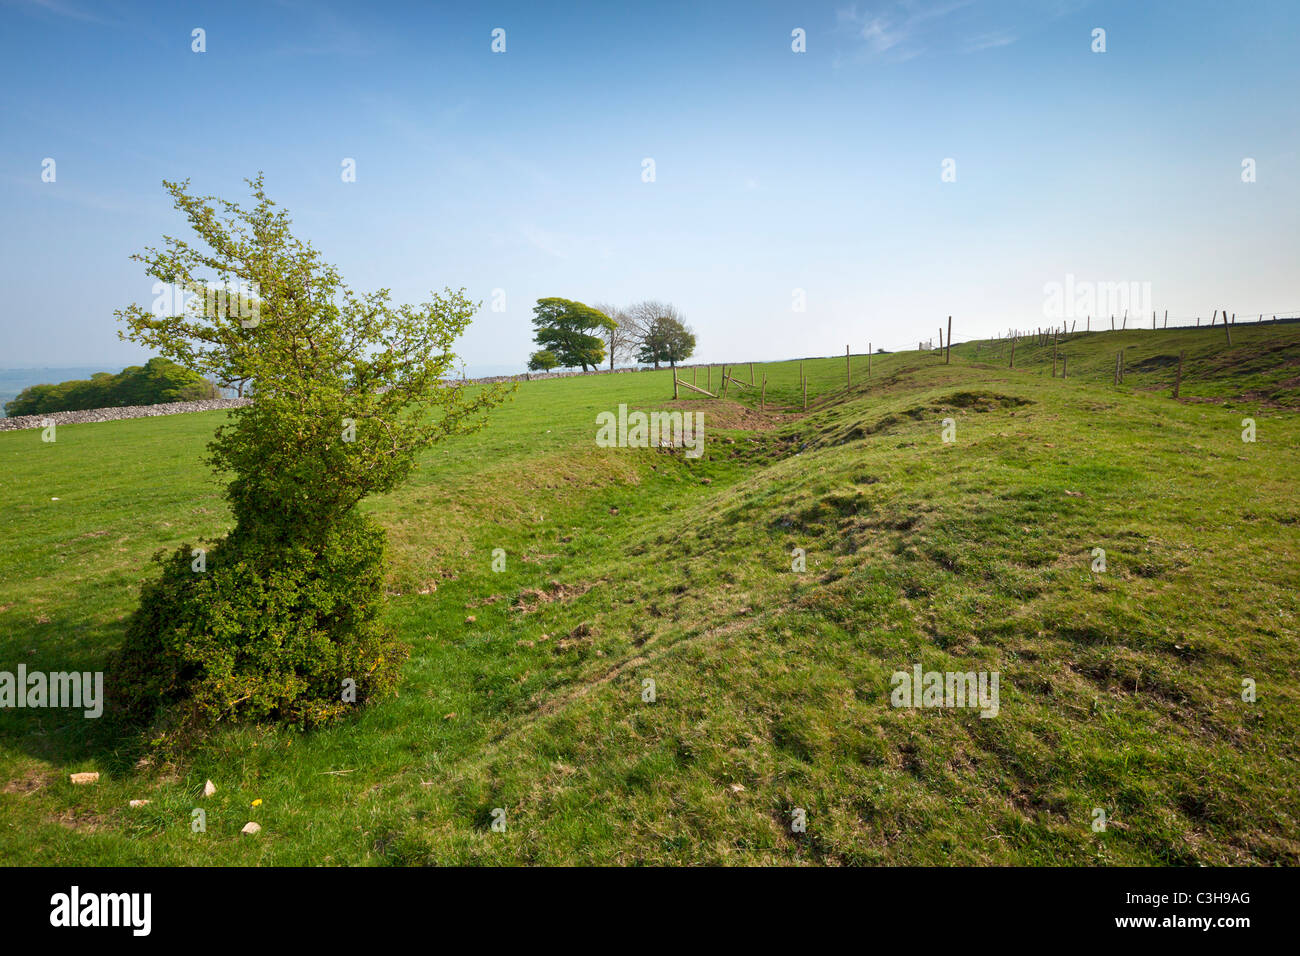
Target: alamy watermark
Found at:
x=653, y=430
x=60, y=689
x=75, y=908
x=975, y=689
x=1079, y=299
x=240, y=300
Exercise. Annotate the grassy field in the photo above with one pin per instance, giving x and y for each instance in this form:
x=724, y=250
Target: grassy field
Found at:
x=1120, y=691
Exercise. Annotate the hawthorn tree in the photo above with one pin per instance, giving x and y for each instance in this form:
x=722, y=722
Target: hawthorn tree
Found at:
x=280, y=617
x=565, y=329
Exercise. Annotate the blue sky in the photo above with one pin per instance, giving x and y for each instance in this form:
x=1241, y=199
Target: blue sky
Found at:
x=774, y=170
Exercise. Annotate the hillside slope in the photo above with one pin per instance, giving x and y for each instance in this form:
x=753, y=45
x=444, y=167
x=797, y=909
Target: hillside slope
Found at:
x=1119, y=690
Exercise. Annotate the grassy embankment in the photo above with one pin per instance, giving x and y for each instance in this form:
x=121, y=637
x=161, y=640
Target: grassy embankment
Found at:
x=1119, y=690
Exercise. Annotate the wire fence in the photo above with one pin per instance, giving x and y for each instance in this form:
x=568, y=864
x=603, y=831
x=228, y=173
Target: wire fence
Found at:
x=1157, y=323
x=1066, y=329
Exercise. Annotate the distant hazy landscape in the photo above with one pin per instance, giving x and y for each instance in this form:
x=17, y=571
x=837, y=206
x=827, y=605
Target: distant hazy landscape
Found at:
x=14, y=380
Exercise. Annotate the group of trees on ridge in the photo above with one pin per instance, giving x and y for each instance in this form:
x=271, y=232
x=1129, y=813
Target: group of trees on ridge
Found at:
x=156, y=382
x=573, y=334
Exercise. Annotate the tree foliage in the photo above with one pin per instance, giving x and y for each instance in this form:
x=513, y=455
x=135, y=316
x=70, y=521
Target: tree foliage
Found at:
x=565, y=328
x=543, y=360
x=666, y=338
x=350, y=388
x=156, y=382
x=620, y=335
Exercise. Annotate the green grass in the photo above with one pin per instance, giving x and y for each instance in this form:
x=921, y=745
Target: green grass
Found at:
x=1119, y=690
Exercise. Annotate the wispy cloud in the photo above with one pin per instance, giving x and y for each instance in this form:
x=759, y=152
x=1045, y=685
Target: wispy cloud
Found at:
x=987, y=41
x=897, y=30
x=325, y=33
x=66, y=193
x=900, y=29
x=562, y=245
x=58, y=8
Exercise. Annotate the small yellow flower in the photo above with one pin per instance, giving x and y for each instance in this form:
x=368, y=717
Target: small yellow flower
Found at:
x=257, y=802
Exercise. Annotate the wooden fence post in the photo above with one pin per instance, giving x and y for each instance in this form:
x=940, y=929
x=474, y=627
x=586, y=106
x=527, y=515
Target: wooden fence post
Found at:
x=1153, y=320
x=1226, y=328
x=848, y=375
x=762, y=395
x=725, y=382
x=1166, y=318
x=709, y=373
x=948, y=357
x=1178, y=378
x=1054, y=340
x=868, y=360
x=805, y=395
x=674, y=384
